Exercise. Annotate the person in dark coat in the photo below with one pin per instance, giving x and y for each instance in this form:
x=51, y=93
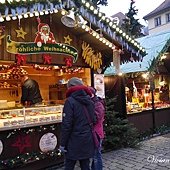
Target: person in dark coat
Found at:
x=76, y=135
x=30, y=91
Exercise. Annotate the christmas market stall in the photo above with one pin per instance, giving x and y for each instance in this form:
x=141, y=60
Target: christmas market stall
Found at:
x=147, y=84
x=50, y=41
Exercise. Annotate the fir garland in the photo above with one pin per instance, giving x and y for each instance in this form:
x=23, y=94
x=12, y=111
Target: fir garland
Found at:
x=26, y=158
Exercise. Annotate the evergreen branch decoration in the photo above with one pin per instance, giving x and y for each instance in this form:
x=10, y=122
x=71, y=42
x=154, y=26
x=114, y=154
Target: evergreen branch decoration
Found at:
x=118, y=132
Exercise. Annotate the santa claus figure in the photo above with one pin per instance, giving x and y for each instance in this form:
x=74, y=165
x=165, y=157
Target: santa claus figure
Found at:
x=44, y=35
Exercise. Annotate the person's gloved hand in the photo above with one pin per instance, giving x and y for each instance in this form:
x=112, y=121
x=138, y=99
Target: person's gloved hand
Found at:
x=62, y=149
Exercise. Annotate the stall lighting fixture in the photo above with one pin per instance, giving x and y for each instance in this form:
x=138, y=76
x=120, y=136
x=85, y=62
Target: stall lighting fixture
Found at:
x=36, y=13
x=26, y=15
x=145, y=75
x=98, y=36
x=120, y=74
x=41, y=13
x=8, y=18
x=112, y=22
x=163, y=57
x=31, y=15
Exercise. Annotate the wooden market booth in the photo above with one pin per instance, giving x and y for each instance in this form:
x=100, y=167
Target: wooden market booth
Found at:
x=146, y=84
x=52, y=45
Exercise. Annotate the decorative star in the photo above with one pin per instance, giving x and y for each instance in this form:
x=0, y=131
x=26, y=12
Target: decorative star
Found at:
x=67, y=40
x=21, y=33
x=22, y=142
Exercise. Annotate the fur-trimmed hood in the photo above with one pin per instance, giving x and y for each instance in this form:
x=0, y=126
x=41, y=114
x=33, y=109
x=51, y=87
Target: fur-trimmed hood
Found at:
x=78, y=88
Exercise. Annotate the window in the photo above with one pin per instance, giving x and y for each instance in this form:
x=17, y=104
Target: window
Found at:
x=168, y=17
x=157, y=21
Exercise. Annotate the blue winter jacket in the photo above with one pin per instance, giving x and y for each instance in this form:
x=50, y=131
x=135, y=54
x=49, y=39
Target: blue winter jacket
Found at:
x=76, y=134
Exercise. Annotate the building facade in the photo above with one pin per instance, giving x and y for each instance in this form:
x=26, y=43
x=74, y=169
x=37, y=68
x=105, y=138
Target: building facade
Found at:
x=159, y=18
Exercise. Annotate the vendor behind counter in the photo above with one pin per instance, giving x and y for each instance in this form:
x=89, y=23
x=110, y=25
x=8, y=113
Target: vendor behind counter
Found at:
x=30, y=91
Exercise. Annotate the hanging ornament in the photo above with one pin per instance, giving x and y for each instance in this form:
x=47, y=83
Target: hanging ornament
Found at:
x=131, y=58
x=47, y=58
x=44, y=35
x=91, y=57
x=20, y=59
x=21, y=33
x=68, y=61
x=67, y=40
x=2, y=29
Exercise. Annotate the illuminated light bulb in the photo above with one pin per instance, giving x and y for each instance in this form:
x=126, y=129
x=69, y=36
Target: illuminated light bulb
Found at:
x=120, y=74
x=143, y=49
x=110, y=45
x=14, y=17
x=26, y=15
x=1, y=19
x=91, y=8
x=127, y=36
x=87, y=29
x=163, y=57
x=95, y=11
x=51, y=12
x=31, y=15
x=97, y=36
x=103, y=17
x=87, y=5
x=114, y=26
x=41, y=13
x=110, y=23
x=36, y=13
x=46, y=12
x=107, y=43
x=8, y=18
x=100, y=14
x=83, y=1
x=19, y=16
x=140, y=48
x=124, y=34
x=120, y=31
x=145, y=75
x=135, y=44
x=56, y=10
x=2, y=1
x=104, y=41
x=83, y=27
x=94, y=33
x=107, y=20
x=63, y=12
x=132, y=41
x=117, y=29
x=100, y=39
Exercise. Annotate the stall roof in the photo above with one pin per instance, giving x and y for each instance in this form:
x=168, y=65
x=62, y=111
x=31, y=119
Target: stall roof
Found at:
x=114, y=35
x=155, y=46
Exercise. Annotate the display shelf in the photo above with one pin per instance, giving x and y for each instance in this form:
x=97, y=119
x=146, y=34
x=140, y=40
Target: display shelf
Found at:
x=32, y=116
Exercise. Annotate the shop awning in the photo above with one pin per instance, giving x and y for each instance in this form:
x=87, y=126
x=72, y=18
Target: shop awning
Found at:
x=111, y=34
x=155, y=46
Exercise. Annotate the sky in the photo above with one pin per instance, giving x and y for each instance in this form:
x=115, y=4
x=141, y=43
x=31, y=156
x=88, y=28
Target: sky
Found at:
x=144, y=7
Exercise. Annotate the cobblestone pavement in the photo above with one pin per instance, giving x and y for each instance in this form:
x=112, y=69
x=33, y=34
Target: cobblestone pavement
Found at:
x=154, y=154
